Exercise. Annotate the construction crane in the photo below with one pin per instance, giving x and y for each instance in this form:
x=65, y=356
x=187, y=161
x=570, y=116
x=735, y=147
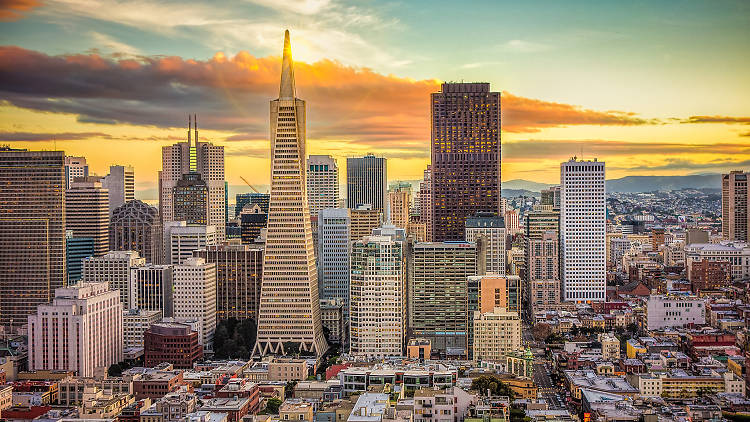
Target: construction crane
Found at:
x=248, y=183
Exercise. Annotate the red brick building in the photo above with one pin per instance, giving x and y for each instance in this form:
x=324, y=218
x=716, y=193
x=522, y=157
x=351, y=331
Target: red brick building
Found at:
x=710, y=275
x=157, y=384
x=172, y=343
x=243, y=389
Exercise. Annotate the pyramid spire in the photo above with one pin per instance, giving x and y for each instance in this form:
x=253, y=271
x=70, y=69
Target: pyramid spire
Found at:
x=287, y=90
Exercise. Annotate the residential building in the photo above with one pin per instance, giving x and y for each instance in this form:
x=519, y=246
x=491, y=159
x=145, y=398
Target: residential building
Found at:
x=81, y=330
x=735, y=206
x=583, y=231
x=512, y=222
x=332, y=318
x=239, y=271
x=487, y=292
x=289, y=306
x=610, y=347
x=710, y=275
x=194, y=296
x=115, y=269
x=172, y=342
x=120, y=185
x=181, y=240
x=736, y=253
x=32, y=231
x=496, y=333
x=465, y=150
x=322, y=183
x=334, y=241
x=135, y=322
x=666, y=311
x=492, y=229
x=135, y=226
x=366, y=182
x=75, y=167
x=451, y=404
x=287, y=369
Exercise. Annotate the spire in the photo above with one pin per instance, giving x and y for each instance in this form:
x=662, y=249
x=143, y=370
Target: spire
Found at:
x=190, y=125
x=193, y=149
x=286, y=90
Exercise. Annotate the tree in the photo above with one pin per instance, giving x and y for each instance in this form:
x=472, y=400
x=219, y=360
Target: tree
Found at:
x=234, y=338
x=115, y=370
x=541, y=331
x=272, y=406
x=493, y=384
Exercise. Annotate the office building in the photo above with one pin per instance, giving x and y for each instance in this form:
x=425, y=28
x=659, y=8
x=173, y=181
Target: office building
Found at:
x=425, y=202
x=120, y=185
x=465, y=152
x=135, y=322
x=114, y=268
x=32, y=231
x=181, y=240
x=735, y=206
x=583, y=231
x=136, y=226
x=543, y=271
x=377, y=303
x=496, y=334
x=322, y=183
x=334, y=240
x=438, y=293
x=75, y=167
x=194, y=296
x=204, y=158
x=669, y=311
x=80, y=331
x=366, y=182
x=190, y=199
x=171, y=342
x=76, y=250
x=512, y=225
x=540, y=221
x=492, y=229
x=363, y=221
x=253, y=222
x=487, y=292
x=400, y=203
x=87, y=213
x=151, y=288
x=550, y=198
x=289, y=305
x=239, y=271
x=243, y=199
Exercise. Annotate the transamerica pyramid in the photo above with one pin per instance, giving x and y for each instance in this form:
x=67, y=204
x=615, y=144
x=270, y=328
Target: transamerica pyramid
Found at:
x=289, y=309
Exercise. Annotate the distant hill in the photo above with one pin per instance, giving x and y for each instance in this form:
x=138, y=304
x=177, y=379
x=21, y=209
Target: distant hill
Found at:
x=510, y=193
x=519, y=184
x=634, y=184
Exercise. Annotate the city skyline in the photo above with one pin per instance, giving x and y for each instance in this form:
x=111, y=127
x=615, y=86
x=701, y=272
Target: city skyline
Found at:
x=122, y=85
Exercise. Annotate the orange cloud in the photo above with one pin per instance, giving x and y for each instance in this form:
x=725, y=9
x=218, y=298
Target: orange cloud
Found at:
x=10, y=10
x=717, y=119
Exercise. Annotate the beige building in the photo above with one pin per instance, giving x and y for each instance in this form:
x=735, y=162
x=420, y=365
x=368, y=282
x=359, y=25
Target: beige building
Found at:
x=735, y=206
x=543, y=271
x=363, y=220
x=135, y=322
x=492, y=229
x=610, y=347
x=6, y=397
x=287, y=370
x=194, y=296
x=114, y=268
x=495, y=334
x=322, y=183
x=289, y=308
x=87, y=213
x=400, y=200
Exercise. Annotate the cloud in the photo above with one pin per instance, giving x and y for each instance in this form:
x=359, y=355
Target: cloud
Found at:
x=232, y=93
x=12, y=10
x=522, y=46
x=717, y=119
x=40, y=137
x=117, y=47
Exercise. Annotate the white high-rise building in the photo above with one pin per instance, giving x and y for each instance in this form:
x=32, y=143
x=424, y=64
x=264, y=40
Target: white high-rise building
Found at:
x=120, y=183
x=204, y=158
x=151, y=288
x=334, y=238
x=377, y=300
x=86, y=213
x=322, y=183
x=180, y=240
x=583, y=231
x=75, y=167
x=492, y=228
x=194, y=296
x=80, y=331
x=113, y=268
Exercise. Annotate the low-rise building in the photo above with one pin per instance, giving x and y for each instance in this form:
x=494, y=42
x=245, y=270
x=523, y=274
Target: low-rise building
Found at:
x=135, y=322
x=438, y=405
x=283, y=369
x=234, y=407
x=173, y=343
x=665, y=311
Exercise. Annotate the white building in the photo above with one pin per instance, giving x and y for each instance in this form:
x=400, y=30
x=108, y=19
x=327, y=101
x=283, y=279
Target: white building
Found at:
x=151, y=288
x=120, y=184
x=135, y=322
x=81, y=331
x=113, y=268
x=583, y=231
x=512, y=223
x=322, y=183
x=665, y=311
x=194, y=295
x=334, y=237
x=180, y=240
x=736, y=253
x=492, y=228
x=496, y=333
x=75, y=167
x=377, y=301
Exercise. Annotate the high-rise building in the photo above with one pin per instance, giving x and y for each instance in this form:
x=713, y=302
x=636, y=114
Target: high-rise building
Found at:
x=322, y=183
x=135, y=226
x=540, y=221
x=551, y=197
x=492, y=228
x=465, y=156
x=190, y=199
x=135, y=322
x=80, y=331
x=400, y=200
x=204, y=158
x=583, y=231
x=194, y=296
x=496, y=334
x=239, y=270
x=366, y=182
x=243, y=199
x=438, y=293
x=76, y=250
x=181, y=240
x=151, y=288
x=425, y=202
x=543, y=271
x=120, y=185
x=377, y=306
x=32, y=231
x=363, y=221
x=75, y=167
x=735, y=206
x=289, y=305
x=334, y=240
x=512, y=224
x=486, y=292
x=87, y=213
x=115, y=269
x=253, y=221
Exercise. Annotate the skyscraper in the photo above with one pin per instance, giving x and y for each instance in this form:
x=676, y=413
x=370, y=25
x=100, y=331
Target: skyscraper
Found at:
x=32, y=231
x=366, y=182
x=75, y=167
x=400, y=201
x=194, y=296
x=204, y=158
x=180, y=240
x=543, y=272
x=735, y=206
x=363, y=220
x=120, y=185
x=76, y=250
x=87, y=213
x=465, y=156
x=492, y=228
x=135, y=226
x=583, y=230
x=151, y=288
x=334, y=240
x=115, y=269
x=322, y=183
x=425, y=202
x=190, y=199
x=289, y=306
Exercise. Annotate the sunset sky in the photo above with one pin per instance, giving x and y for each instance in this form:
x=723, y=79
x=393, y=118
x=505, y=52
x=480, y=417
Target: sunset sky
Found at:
x=652, y=88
